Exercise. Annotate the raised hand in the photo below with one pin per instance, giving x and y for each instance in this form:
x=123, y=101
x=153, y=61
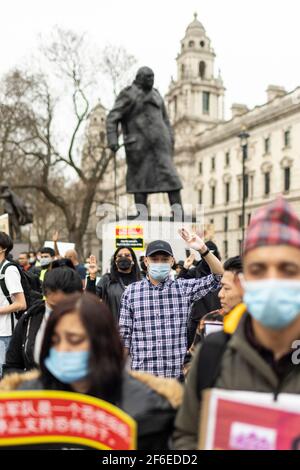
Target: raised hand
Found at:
x=93, y=267
x=189, y=261
x=192, y=239
x=55, y=237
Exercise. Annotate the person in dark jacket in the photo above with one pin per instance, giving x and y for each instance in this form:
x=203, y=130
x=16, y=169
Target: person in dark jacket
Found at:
x=260, y=349
x=210, y=302
x=123, y=272
x=82, y=352
x=23, y=352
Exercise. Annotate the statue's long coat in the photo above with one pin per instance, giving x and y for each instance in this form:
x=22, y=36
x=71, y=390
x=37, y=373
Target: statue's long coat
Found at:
x=148, y=140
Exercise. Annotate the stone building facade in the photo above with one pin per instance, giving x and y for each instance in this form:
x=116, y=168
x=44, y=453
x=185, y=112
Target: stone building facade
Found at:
x=208, y=150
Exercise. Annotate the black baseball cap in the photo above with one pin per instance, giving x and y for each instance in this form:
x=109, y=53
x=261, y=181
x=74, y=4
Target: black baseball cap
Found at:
x=159, y=245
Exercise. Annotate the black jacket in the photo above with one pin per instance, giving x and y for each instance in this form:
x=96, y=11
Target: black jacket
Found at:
x=109, y=291
x=152, y=411
x=200, y=307
x=20, y=353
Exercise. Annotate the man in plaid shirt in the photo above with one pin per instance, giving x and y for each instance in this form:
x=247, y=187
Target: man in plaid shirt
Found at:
x=154, y=311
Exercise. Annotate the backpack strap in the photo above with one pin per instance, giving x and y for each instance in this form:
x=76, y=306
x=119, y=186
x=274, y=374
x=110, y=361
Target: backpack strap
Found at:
x=209, y=360
x=2, y=280
x=213, y=348
x=5, y=290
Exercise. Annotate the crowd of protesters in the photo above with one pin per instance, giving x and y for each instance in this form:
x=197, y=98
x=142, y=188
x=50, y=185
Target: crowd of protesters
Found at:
x=152, y=334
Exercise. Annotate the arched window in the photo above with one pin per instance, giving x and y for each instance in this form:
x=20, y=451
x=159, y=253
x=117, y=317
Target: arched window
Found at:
x=182, y=71
x=175, y=105
x=191, y=44
x=202, y=68
x=102, y=137
x=202, y=43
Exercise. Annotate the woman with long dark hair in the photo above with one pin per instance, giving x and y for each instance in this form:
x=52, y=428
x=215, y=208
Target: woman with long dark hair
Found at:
x=124, y=271
x=82, y=352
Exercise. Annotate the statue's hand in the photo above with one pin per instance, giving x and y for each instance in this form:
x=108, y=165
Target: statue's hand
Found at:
x=114, y=147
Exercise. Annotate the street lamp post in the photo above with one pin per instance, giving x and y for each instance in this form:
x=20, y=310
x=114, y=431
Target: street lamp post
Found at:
x=244, y=145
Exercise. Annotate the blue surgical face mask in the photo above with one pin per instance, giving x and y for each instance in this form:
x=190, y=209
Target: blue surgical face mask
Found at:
x=275, y=303
x=159, y=271
x=68, y=366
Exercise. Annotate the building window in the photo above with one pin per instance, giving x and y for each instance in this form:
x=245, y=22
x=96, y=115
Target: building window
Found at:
x=202, y=43
x=246, y=187
x=206, y=99
x=211, y=221
x=102, y=137
x=287, y=138
x=191, y=44
x=175, y=105
x=213, y=195
x=249, y=218
x=226, y=223
x=227, y=159
x=240, y=220
x=267, y=183
x=200, y=168
x=202, y=69
x=251, y=186
x=287, y=179
x=225, y=248
x=227, y=193
x=200, y=196
x=267, y=145
x=182, y=71
x=213, y=163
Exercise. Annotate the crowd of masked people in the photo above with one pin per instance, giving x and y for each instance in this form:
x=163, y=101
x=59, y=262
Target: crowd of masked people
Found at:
x=150, y=335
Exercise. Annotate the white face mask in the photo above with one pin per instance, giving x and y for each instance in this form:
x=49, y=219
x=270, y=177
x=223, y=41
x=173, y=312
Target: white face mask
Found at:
x=45, y=261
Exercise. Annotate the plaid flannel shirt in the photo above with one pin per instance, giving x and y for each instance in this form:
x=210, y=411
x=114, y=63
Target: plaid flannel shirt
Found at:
x=153, y=322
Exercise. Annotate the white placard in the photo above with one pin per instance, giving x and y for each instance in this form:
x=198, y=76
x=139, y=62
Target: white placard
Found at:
x=62, y=246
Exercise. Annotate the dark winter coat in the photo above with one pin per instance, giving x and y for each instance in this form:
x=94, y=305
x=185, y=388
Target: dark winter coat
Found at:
x=20, y=353
x=109, y=291
x=148, y=140
x=244, y=366
x=201, y=307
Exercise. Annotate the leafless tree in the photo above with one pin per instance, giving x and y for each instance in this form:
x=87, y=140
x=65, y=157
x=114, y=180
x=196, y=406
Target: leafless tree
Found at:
x=118, y=66
x=44, y=150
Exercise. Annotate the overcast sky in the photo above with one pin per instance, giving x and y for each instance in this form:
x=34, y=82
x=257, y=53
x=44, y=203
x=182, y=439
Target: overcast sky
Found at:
x=257, y=42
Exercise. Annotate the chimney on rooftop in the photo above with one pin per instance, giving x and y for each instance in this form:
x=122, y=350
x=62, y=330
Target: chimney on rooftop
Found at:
x=274, y=91
x=238, y=109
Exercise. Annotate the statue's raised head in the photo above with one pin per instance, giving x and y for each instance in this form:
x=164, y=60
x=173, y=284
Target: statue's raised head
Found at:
x=145, y=78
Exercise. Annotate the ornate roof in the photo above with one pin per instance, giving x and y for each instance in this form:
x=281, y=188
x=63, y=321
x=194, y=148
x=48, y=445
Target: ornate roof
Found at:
x=195, y=27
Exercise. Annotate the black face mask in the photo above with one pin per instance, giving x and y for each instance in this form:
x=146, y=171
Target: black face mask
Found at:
x=124, y=263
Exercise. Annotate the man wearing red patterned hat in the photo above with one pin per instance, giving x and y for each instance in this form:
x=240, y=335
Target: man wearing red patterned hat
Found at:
x=257, y=350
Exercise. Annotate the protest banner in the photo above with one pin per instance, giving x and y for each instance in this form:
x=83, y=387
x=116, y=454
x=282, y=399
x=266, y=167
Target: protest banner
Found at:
x=233, y=420
x=55, y=419
x=130, y=236
x=62, y=246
